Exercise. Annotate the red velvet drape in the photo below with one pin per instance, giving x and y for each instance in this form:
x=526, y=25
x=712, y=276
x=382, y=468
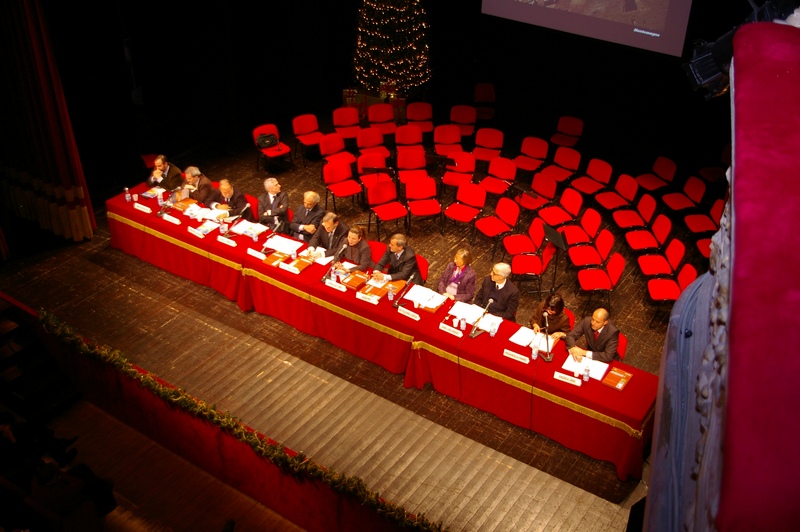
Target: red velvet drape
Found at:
x=42, y=177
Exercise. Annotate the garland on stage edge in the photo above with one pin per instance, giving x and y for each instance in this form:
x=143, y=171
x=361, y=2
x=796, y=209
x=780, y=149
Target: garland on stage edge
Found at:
x=298, y=466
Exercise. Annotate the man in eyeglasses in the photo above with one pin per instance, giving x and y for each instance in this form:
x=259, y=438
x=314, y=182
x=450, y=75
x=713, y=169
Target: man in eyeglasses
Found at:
x=498, y=287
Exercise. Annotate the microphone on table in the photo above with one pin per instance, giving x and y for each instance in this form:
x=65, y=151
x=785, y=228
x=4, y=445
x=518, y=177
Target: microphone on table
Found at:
x=475, y=330
x=403, y=291
x=334, y=261
x=548, y=357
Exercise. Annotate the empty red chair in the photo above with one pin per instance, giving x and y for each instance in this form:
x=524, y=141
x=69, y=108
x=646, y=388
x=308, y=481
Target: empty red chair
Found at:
x=306, y=133
x=693, y=191
x=483, y=96
x=526, y=267
x=638, y=217
x=525, y=243
x=543, y=191
x=595, y=280
x=500, y=177
x=370, y=140
x=346, y=122
x=488, y=144
x=595, y=254
x=422, y=201
x=667, y=289
x=566, y=211
x=381, y=115
x=564, y=166
x=654, y=264
x=464, y=116
x=502, y=222
x=420, y=114
x=383, y=203
x=706, y=223
x=652, y=238
x=446, y=139
x=469, y=203
x=372, y=168
x=411, y=165
x=532, y=154
x=583, y=232
x=460, y=170
x=568, y=132
x=660, y=176
x=332, y=149
x=598, y=176
x=408, y=137
x=623, y=195
x=339, y=181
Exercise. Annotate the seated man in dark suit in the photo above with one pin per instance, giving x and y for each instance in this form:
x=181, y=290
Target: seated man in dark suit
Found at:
x=273, y=205
x=600, y=334
x=198, y=186
x=230, y=201
x=399, y=261
x=357, y=251
x=307, y=218
x=332, y=236
x=503, y=292
x=165, y=175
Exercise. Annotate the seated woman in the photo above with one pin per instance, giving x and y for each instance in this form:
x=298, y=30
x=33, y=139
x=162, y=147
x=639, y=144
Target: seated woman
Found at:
x=458, y=279
x=557, y=320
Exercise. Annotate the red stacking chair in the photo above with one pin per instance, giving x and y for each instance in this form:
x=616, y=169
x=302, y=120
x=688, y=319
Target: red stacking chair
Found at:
x=370, y=140
x=566, y=211
x=583, y=232
x=420, y=114
x=422, y=266
x=276, y=152
x=706, y=223
x=306, y=133
x=339, y=181
x=488, y=144
x=622, y=346
x=568, y=132
x=346, y=122
x=525, y=243
x=469, y=203
x=408, y=137
x=464, y=116
x=638, y=217
x=623, y=195
x=564, y=166
x=381, y=115
x=446, y=139
x=654, y=264
x=377, y=248
x=652, y=238
x=422, y=201
x=532, y=154
x=668, y=289
x=693, y=191
x=502, y=222
x=660, y=176
x=597, y=280
x=598, y=176
x=500, y=176
x=483, y=97
x=526, y=267
x=383, y=203
x=372, y=169
x=411, y=165
x=460, y=171
x=543, y=191
x=331, y=147
x=595, y=254
x=704, y=247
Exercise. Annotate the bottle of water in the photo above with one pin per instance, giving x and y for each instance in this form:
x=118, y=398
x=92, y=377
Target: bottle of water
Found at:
x=586, y=374
x=332, y=275
x=127, y=195
x=463, y=324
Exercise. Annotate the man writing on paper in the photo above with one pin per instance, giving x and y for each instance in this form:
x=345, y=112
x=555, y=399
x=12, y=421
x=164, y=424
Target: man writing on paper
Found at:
x=505, y=294
x=165, y=175
x=399, y=261
x=601, y=338
x=331, y=235
x=229, y=201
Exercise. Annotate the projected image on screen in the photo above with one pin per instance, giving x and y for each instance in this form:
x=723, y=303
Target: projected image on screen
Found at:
x=657, y=25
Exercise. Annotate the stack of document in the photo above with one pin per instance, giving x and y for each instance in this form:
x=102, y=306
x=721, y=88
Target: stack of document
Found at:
x=246, y=227
x=424, y=297
x=538, y=341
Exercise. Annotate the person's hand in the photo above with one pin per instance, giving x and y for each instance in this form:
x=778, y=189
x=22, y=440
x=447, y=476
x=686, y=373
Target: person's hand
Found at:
x=222, y=206
x=451, y=297
x=559, y=334
x=378, y=276
x=189, y=187
x=311, y=229
x=577, y=353
x=536, y=328
x=157, y=173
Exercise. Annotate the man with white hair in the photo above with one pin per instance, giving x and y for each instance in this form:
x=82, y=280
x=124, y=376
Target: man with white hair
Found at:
x=503, y=293
x=198, y=186
x=230, y=201
x=307, y=218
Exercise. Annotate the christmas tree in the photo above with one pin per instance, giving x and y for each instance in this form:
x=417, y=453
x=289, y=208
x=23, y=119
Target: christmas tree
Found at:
x=392, y=53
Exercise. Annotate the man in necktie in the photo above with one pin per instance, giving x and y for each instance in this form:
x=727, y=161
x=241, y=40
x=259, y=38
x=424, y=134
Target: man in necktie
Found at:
x=399, y=261
x=501, y=290
x=307, y=218
x=330, y=236
x=601, y=336
x=230, y=201
x=273, y=205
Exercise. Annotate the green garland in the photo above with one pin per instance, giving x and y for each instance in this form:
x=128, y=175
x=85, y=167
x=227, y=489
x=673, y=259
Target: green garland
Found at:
x=299, y=466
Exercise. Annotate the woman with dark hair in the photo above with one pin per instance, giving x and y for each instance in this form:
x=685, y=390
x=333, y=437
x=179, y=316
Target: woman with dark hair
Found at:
x=458, y=279
x=557, y=319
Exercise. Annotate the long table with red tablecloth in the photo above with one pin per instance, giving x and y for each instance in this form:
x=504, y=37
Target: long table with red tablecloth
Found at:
x=595, y=419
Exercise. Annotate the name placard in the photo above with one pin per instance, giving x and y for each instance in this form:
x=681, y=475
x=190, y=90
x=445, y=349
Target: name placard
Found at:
x=257, y=254
x=408, y=313
x=171, y=219
x=139, y=207
x=368, y=298
x=226, y=240
x=516, y=356
x=288, y=267
x=333, y=284
x=196, y=233
x=567, y=378
x=452, y=330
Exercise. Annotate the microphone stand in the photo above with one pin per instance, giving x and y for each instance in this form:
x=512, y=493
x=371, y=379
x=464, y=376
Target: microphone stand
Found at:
x=475, y=330
x=548, y=357
x=402, y=293
x=335, y=259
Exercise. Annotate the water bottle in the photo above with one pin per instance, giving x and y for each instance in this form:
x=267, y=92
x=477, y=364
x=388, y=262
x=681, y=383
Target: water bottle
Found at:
x=586, y=374
x=160, y=200
x=391, y=293
x=493, y=330
x=332, y=274
x=127, y=195
x=223, y=228
x=255, y=238
x=534, y=354
x=463, y=324
x=294, y=255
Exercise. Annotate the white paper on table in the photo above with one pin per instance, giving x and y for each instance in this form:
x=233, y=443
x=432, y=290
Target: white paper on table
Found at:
x=197, y=212
x=324, y=260
x=489, y=321
x=597, y=369
x=283, y=244
x=246, y=227
x=153, y=192
x=424, y=297
x=208, y=226
x=524, y=336
x=347, y=265
x=376, y=283
x=469, y=312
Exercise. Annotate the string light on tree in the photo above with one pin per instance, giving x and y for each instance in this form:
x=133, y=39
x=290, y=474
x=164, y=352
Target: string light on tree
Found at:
x=391, y=47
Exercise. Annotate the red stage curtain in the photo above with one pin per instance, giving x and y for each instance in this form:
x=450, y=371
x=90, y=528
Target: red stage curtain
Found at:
x=43, y=179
